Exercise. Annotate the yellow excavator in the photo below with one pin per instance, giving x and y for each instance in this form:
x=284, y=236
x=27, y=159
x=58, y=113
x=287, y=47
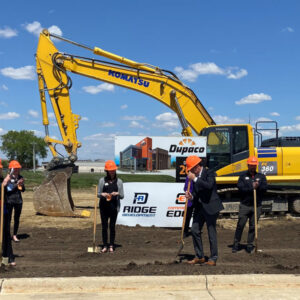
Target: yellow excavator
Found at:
x=228, y=146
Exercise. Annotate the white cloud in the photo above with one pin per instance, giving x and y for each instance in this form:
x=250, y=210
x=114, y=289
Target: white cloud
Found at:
x=107, y=124
x=226, y=120
x=135, y=124
x=194, y=70
x=38, y=133
x=167, y=117
x=275, y=114
x=36, y=28
x=84, y=119
x=91, y=148
x=55, y=30
x=298, y=118
x=92, y=89
x=262, y=119
x=2, y=131
x=254, y=99
x=27, y=73
x=8, y=32
x=33, y=113
x=236, y=73
x=288, y=29
x=51, y=115
x=166, y=120
x=175, y=133
x=3, y=103
x=290, y=128
x=93, y=137
x=124, y=106
x=133, y=118
x=9, y=116
x=4, y=87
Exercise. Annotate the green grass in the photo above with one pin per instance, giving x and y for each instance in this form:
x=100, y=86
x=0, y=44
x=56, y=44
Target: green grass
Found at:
x=87, y=180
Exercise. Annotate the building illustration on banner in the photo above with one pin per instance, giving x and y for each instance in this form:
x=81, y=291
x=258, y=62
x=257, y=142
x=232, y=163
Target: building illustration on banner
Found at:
x=143, y=157
x=136, y=153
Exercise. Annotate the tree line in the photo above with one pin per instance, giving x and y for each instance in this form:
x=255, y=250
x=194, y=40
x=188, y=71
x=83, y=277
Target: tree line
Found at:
x=18, y=145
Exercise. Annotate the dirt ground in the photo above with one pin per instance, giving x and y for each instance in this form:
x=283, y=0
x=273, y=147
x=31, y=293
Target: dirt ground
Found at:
x=57, y=247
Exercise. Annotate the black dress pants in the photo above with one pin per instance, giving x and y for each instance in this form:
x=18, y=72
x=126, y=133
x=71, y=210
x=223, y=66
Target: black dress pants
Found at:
x=201, y=217
x=245, y=213
x=110, y=214
x=17, y=207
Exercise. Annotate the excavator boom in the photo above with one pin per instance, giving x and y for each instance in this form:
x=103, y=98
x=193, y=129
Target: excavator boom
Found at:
x=53, y=68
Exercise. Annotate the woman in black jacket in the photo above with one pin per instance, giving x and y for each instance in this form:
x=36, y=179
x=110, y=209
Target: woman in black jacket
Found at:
x=14, y=184
x=110, y=191
x=7, y=251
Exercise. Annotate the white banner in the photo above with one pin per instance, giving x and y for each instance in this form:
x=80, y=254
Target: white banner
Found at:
x=152, y=203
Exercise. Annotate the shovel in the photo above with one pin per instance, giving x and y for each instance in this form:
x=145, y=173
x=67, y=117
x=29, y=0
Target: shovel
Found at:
x=1, y=220
x=255, y=220
x=183, y=221
x=95, y=249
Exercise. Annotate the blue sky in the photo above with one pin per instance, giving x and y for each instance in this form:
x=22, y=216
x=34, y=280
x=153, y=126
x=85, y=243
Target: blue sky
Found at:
x=241, y=58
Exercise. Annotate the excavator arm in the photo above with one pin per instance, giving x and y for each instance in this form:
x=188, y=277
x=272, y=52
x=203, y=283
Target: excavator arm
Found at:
x=53, y=68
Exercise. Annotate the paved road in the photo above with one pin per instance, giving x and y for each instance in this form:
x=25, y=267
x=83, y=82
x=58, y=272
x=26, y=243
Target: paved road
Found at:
x=210, y=287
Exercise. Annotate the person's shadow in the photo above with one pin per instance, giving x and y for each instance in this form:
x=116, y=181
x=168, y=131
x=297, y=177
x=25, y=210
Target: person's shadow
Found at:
x=186, y=257
x=240, y=248
x=23, y=236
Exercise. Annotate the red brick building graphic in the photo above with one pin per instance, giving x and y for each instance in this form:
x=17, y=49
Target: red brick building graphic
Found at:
x=141, y=156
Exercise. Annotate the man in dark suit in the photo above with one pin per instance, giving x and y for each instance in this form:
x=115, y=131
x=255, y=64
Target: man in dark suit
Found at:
x=207, y=206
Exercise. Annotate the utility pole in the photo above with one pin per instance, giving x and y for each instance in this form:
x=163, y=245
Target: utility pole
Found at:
x=33, y=154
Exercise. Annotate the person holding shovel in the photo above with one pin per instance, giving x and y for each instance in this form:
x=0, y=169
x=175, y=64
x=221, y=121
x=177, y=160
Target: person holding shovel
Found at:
x=247, y=183
x=110, y=191
x=8, y=257
x=14, y=184
x=207, y=206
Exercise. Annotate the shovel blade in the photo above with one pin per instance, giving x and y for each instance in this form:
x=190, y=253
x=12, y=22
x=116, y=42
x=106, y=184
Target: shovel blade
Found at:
x=94, y=249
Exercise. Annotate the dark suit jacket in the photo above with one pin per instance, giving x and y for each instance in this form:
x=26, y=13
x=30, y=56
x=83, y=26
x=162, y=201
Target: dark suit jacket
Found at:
x=205, y=193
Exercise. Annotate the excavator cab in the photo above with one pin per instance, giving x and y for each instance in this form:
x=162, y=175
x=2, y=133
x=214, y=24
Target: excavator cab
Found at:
x=226, y=146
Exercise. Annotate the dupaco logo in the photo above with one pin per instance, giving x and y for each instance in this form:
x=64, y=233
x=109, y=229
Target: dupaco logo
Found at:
x=140, y=198
x=186, y=146
x=180, y=199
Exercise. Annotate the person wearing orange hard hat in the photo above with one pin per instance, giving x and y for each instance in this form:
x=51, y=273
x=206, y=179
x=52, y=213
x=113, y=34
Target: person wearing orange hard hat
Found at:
x=207, y=206
x=110, y=191
x=248, y=181
x=14, y=183
x=7, y=250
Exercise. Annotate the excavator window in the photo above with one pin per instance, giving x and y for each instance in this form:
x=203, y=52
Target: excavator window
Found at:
x=218, y=147
x=226, y=145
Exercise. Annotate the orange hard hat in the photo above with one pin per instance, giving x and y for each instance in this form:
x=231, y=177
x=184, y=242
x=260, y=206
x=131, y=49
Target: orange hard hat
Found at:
x=252, y=160
x=192, y=161
x=14, y=164
x=110, y=166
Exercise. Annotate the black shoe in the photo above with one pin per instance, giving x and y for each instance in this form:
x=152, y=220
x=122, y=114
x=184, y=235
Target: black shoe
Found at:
x=235, y=248
x=249, y=248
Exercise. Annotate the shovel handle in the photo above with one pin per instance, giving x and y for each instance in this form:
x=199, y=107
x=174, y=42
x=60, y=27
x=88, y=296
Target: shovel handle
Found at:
x=185, y=212
x=1, y=218
x=95, y=217
x=255, y=219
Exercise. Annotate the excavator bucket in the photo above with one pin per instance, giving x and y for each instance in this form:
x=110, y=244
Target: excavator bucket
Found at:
x=53, y=196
